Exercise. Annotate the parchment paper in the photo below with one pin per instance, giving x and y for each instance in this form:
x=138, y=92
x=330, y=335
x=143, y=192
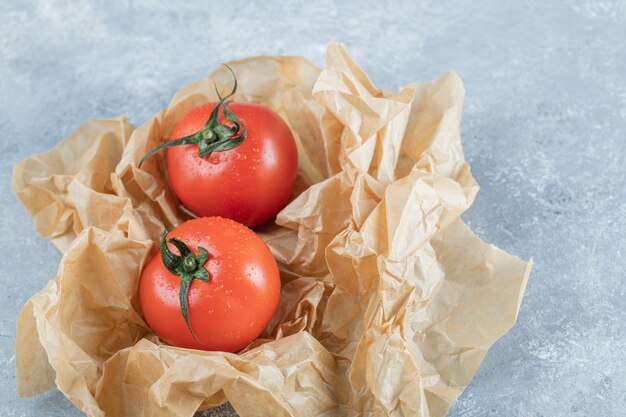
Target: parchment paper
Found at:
x=389, y=302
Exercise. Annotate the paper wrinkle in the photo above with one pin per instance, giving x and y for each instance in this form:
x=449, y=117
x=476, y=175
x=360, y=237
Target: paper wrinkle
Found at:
x=389, y=302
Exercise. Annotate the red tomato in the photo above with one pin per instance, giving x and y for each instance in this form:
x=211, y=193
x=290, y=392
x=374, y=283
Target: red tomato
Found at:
x=233, y=307
x=249, y=183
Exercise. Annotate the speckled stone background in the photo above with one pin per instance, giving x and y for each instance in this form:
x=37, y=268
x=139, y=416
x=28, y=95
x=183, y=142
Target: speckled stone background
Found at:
x=543, y=128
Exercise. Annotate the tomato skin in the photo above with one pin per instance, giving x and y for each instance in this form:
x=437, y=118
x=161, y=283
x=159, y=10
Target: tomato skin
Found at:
x=229, y=311
x=250, y=183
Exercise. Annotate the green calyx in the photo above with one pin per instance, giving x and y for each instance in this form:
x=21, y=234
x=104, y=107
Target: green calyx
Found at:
x=188, y=266
x=214, y=136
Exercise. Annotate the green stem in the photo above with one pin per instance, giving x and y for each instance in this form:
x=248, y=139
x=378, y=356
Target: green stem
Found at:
x=187, y=266
x=185, y=281
x=214, y=136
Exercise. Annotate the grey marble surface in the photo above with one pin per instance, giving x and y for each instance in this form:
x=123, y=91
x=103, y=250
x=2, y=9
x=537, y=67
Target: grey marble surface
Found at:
x=543, y=127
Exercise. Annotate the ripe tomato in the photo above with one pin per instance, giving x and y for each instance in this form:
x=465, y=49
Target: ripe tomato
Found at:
x=232, y=307
x=235, y=160
x=249, y=183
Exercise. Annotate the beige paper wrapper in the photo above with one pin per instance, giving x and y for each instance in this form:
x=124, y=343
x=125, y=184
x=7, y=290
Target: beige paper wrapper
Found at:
x=389, y=302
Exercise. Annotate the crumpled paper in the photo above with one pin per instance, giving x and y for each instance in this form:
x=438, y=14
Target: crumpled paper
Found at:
x=389, y=302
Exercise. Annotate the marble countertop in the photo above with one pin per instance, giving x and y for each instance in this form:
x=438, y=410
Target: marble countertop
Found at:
x=544, y=129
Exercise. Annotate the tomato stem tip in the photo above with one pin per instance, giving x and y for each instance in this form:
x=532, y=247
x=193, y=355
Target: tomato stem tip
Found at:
x=214, y=136
x=187, y=266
